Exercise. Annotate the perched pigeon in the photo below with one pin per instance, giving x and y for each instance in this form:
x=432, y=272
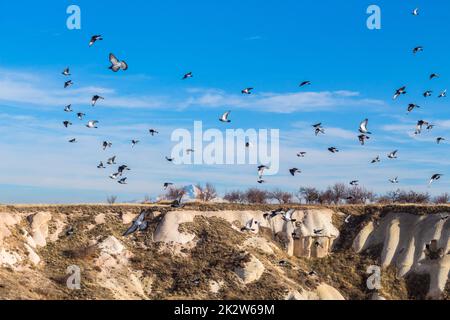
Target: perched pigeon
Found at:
x=68, y=84
x=138, y=225
x=117, y=65
x=153, y=132
x=224, y=117
x=95, y=99
x=293, y=171
x=249, y=226
x=67, y=123
x=95, y=38
x=399, y=92
x=435, y=177
x=393, y=154
x=187, y=76
x=68, y=108
x=66, y=72
x=92, y=124
x=305, y=83
x=333, y=150
x=247, y=91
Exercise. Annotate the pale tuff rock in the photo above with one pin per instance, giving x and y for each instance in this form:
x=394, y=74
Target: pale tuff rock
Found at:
x=214, y=286
x=260, y=244
x=251, y=271
x=326, y=292
x=111, y=246
x=7, y=220
x=32, y=255
x=39, y=228
x=9, y=258
x=100, y=218
x=404, y=238
x=128, y=217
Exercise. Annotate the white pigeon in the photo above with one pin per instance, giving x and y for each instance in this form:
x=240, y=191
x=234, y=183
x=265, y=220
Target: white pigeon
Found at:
x=415, y=12
x=224, y=117
x=363, y=127
x=287, y=216
x=249, y=226
x=116, y=64
x=92, y=124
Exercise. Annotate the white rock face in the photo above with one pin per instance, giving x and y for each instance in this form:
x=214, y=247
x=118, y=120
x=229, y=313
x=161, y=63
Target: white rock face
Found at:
x=326, y=292
x=111, y=246
x=8, y=258
x=404, y=237
x=39, y=228
x=259, y=243
x=251, y=271
x=7, y=220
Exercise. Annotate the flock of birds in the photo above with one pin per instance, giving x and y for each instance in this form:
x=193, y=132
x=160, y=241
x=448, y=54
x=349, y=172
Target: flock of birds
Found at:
x=364, y=134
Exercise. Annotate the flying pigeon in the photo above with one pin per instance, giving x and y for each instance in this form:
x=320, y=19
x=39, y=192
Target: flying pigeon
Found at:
x=111, y=160
x=134, y=142
x=138, y=225
x=92, y=124
x=333, y=150
x=318, y=231
x=187, y=76
x=167, y=184
x=249, y=225
x=116, y=65
x=122, y=168
x=439, y=140
x=67, y=123
x=114, y=175
x=305, y=83
x=260, y=181
x=318, y=128
x=287, y=216
x=177, y=203
x=434, y=75
x=66, y=72
x=73, y=140
x=224, y=117
x=362, y=138
x=393, y=154
x=301, y=154
x=101, y=165
x=68, y=83
x=106, y=144
x=95, y=99
x=394, y=181
x=153, y=132
x=169, y=159
x=354, y=182
x=189, y=151
x=122, y=181
x=419, y=126
x=68, y=108
x=347, y=219
x=377, y=159
x=430, y=126
x=247, y=91
x=415, y=12
x=293, y=171
x=261, y=170
x=443, y=94
x=435, y=177
x=273, y=213
x=411, y=106
x=417, y=49
x=80, y=115
x=94, y=38
x=363, y=127
x=427, y=93
x=399, y=92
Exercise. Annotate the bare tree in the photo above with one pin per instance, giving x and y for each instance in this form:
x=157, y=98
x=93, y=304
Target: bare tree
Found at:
x=206, y=193
x=280, y=196
x=442, y=199
x=401, y=196
x=235, y=196
x=310, y=195
x=146, y=199
x=111, y=199
x=174, y=193
x=254, y=195
x=338, y=193
x=359, y=195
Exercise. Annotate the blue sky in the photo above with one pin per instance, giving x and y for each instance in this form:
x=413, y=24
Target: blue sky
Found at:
x=229, y=46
